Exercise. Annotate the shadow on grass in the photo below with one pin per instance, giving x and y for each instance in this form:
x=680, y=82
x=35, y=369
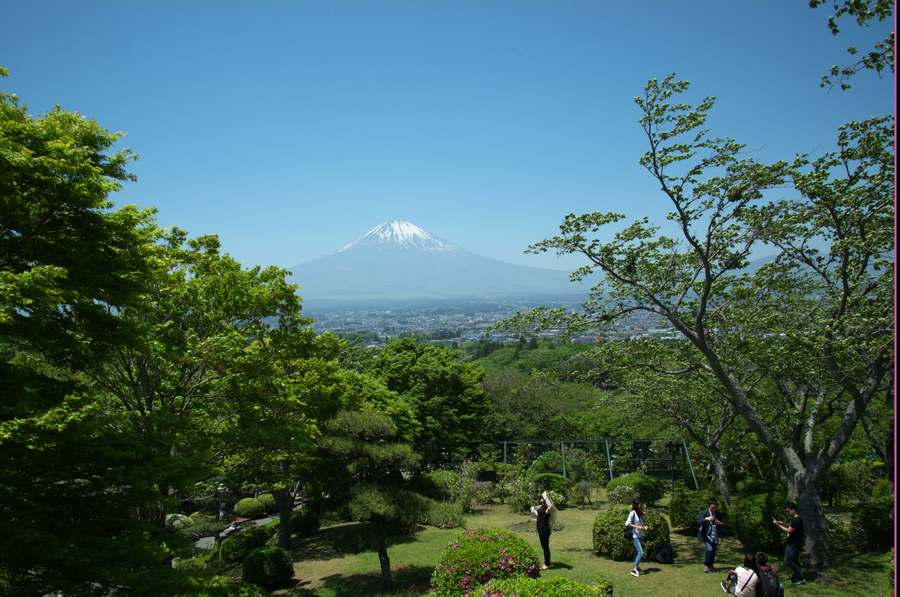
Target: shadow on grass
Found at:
x=408, y=581
x=340, y=540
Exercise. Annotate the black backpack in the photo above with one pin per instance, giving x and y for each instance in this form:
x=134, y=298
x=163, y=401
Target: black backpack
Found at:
x=663, y=554
x=769, y=585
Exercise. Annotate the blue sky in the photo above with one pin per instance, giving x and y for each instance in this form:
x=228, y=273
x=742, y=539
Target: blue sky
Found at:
x=290, y=128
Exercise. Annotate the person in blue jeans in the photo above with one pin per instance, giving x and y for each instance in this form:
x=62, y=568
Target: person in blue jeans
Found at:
x=795, y=537
x=710, y=522
x=635, y=521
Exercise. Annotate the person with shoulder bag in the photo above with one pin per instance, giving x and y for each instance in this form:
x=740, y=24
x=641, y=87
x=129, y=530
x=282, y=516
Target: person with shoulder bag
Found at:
x=634, y=525
x=742, y=581
x=710, y=522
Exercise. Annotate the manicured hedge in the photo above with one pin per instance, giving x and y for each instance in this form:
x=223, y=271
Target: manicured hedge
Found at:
x=236, y=547
x=249, y=508
x=648, y=488
x=479, y=555
x=268, y=502
x=609, y=527
x=751, y=521
x=268, y=567
x=552, y=482
x=555, y=586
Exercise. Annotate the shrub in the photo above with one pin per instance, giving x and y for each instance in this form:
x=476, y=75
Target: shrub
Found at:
x=748, y=487
x=304, y=522
x=871, y=525
x=583, y=466
x=436, y=484
x=236, y=547
x=204, y=526
x=648, y=488
x=621, y=494
x=249, y=508
x=268, y=567
x=519, y=490
x=686, y=505
x=444, y=515
x=752, y=518
x=555, y=586
x=178, y=521
x=882, y=490
x=581, y=493
x=479, y=555
x=268, y=502
x=548, y=462
x=839, y=539
x=609, y=527
x=551, y=482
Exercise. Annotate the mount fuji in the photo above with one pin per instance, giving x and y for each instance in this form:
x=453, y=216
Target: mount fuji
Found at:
x=398, y=261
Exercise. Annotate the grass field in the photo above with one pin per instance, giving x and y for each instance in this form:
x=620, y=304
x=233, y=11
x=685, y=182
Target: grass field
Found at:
x=327, y=566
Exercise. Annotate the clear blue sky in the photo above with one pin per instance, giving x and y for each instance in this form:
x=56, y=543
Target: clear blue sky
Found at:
x=290, y=128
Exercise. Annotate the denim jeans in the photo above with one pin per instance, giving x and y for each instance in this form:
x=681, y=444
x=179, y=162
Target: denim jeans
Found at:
x=709, y=553
x=792, y=561
x=638, y=551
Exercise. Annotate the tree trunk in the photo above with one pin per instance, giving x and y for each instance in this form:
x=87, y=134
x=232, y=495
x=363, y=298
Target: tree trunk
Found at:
x=285, y=507
x=385, y=561
x=720, y=474
x=804, y=491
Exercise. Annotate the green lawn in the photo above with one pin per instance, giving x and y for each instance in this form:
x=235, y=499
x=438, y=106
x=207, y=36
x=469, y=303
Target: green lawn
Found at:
x=327, y=566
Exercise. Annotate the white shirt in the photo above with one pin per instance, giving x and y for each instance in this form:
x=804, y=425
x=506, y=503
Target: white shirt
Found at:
x=633, y=518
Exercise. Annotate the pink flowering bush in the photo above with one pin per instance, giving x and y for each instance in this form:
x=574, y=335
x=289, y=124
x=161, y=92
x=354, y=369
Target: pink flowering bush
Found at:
x=481, y=555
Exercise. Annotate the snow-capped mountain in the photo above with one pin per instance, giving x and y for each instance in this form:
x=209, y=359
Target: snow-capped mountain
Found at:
x=400, y=233
x=398, y=260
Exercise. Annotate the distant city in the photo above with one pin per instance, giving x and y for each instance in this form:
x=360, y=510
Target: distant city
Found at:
x=453, y=324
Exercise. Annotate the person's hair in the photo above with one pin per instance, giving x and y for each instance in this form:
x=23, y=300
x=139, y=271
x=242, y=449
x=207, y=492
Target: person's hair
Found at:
x=749, y=562
x=636, y=506
x=791, y=506
x=712, y=501
x=761, y=558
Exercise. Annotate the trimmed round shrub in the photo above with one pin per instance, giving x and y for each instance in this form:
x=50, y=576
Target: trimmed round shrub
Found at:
x=839, y=540
x=548, y=462
x=554, y=586
x=249, y=508
x=178, y=521
x=268, y=502
x=751, y=521
x=268, y=567
x=686, y=505
x=236, y=547
x=621, y=494
x=648, y=488
x=444, y=515
x=304, y=523
x=437, y=484
x=551, y=482
x=609, y=527
x=479, y=555
x=871, y=526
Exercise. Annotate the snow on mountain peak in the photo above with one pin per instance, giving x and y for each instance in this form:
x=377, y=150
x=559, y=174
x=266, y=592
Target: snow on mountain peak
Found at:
x=403, y=234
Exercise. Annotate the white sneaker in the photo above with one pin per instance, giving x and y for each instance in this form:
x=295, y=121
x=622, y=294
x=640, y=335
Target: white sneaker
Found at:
x=634, y=572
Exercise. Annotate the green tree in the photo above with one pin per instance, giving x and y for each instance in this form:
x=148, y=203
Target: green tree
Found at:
x=70, y=477
x=444, y=392
x=375, y=463
x=822, y=307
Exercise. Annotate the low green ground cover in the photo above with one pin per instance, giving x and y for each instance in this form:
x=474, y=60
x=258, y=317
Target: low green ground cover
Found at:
x=329, y=563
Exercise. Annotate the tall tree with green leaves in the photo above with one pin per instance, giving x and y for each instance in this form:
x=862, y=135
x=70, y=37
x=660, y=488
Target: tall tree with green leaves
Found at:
x=444, y=392
x=824, y=302
x=70, y=476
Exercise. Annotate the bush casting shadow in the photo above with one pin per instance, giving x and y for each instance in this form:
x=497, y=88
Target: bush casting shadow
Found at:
x=408, y=580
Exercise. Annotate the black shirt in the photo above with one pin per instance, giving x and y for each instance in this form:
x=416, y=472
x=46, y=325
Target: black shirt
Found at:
x=543, y=520
x=795, y=537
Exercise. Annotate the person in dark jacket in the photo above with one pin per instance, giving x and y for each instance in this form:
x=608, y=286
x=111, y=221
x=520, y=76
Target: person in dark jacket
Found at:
x=710, y=522
x=545, y=512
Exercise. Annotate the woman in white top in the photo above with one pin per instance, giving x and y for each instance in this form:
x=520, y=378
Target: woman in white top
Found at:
x=545, y=512
x=635, y=521
x=742, y=581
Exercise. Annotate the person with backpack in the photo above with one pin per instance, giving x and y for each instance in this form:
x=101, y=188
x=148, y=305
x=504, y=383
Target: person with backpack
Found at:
x=795, y=537
x=635, y=524
x=742, y=581
x=710, y=522
x=769, y=585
